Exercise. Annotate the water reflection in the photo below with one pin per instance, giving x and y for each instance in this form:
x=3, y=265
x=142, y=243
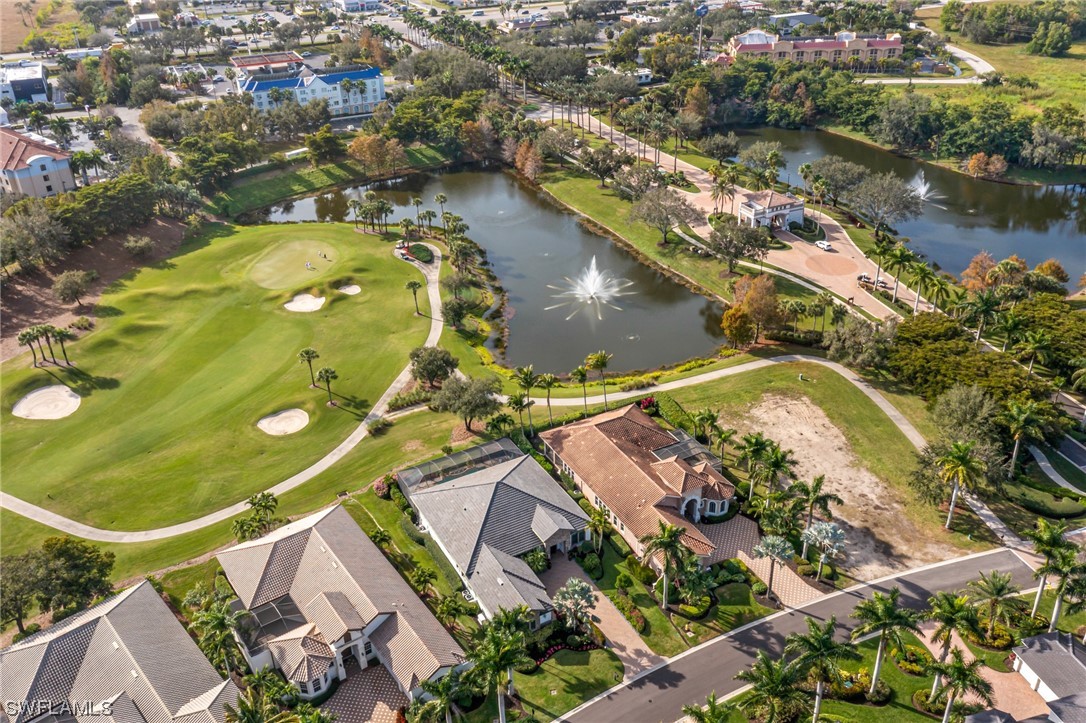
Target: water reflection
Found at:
x=530, y=243
x=969, y=215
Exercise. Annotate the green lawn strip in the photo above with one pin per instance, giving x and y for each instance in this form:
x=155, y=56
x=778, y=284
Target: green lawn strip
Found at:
x=1021, y=504
x=1067, y=469
x=178, y=582
x=188, y=355
x=1068, y=623
x=735, y=606
x=263, y=189
x=900, y=708
x=876, y=441
x=573, y=676
x=659, y=634
x=994, y=659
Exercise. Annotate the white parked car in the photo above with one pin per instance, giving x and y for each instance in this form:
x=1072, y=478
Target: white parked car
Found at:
x=824, y=245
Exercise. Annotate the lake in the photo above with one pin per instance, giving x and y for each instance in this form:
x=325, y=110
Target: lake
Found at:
x=963, y=215
x=532, y=245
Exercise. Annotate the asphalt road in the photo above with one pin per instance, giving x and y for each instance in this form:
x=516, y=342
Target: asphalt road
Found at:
x=660, y=694
x=1074, y=451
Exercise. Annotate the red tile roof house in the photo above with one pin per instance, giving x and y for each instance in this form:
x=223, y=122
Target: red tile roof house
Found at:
x=643, y=475
x=322, y=596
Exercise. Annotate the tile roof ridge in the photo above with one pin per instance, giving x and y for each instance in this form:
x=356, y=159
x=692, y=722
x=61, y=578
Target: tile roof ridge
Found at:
x=476, y=543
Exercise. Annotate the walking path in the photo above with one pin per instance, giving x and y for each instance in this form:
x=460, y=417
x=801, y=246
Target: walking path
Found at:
x=430, y=273
x=39, y=514
x=1048, y=469
x=624, y=641
x=1011, y=691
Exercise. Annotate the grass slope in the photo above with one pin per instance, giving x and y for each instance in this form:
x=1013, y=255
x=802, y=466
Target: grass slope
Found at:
x=189, y=356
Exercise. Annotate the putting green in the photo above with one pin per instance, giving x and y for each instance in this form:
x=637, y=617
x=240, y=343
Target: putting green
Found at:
x=283, y=266
x=187, y=357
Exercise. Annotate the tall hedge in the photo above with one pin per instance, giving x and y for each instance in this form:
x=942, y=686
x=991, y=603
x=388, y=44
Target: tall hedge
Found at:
x=103, y=208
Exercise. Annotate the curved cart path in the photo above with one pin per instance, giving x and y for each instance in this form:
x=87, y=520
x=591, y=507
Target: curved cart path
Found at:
x=430, y=273
x=72, y=527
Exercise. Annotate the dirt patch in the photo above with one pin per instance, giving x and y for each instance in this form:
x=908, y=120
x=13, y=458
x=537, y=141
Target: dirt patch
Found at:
x=27, y=299
x=461, y=434
x=881, y=538
x=411, y=445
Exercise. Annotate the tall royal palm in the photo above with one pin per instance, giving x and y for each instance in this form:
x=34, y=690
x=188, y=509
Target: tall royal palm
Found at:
x=777, y=464
x=897, y=261
x=494, y=654
x=599, y=522
x=597, y=362
x=1065, y=568
x=442, y=695
x=752, y=450
x=883, y=615
x=961, y=679
x=527, y=379
x=815, y=499
x=667, y=542
x=959, y=467
x=547, y=382
x=580, y=376
x=1024, y=421
x=518, y=402
x=775, y=695
x=997, y=594
x=820, y=654
x=953, y=615
x=308, y=356
x=1048, y=540
x=1036, y=345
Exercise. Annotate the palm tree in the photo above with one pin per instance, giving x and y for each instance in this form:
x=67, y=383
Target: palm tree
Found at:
x=775, y=695
x=441, y=199
x=778, y=550
x=668, y=543
x=819, y=189
x=813, y=498
x=923, y=277
x=962, y=679
x=423, y=579
x=982, y=309
x=497, y=652
x=704, y=419
x=752, y=450
x=899, y=259
x=26, y=338
x=381, y=537
x=327, y=375
x=45, y=331
x=1036, y=344
x=952, y=615
x=996, y=591
x=518, y=403
x=1048, y=539
x=1065, y=567
x=547, y=382
x=722, y=436
x=881, y=248
x=255, y=707
x=598, y=362
x=776, y=464
x=599, y=522
x=1024, y=421
x=413, y=286
x=807, y=174
x=959, y=467
x=714, y=710
x=443, y=694
x=940, y=291
x=828, y=539
x=884, y=615
x=449, y=608
x=308, y=356
x=526, y=378
x=819, y=653
x=794, y=308
x=417, y=203
x=215, y=629
x=580, y=376
x=1011, y=326
x=499, y=424
x=356, y=206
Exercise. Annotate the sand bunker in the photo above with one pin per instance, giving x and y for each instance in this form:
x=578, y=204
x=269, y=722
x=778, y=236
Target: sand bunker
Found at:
x=882, y=539
x=350, y=290
x=54, y=402
x=287, y=421
x=304, y=303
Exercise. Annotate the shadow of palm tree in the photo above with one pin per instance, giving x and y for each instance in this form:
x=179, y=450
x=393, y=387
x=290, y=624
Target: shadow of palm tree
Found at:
x=81, y=382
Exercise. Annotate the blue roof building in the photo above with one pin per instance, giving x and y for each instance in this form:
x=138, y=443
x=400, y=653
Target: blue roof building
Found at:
x=366, y=88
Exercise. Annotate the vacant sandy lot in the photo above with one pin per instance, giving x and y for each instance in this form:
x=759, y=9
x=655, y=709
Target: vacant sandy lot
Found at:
x=881, y=538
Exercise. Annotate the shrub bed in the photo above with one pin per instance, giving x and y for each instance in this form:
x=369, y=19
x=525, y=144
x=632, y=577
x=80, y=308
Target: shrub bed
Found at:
x=421, y=252
x=410, y=399
x=804, y=337
x=1001, y=638
x=626, y=606
x=912, y=660
x=697, y=610
x=674, y=414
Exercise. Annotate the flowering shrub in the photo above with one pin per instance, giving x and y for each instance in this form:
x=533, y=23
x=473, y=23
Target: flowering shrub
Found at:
x=380, y=488
x=634, y=616
x=648, y=405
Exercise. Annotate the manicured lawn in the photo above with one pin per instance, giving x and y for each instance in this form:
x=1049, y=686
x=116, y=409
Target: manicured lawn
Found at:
x=874, y=438
x=1011, y=510
x=189, y=354
x=177, y=583
x=567, y=680
x=263, y=189
x=1068, y=623
x=411, y=439
x=1066, y=468
x=735, y=607
x=659, y=634
x=900, y=708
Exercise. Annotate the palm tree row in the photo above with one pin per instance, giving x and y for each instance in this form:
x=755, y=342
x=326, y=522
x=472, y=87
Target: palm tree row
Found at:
x=48, y=333
x=324, y=375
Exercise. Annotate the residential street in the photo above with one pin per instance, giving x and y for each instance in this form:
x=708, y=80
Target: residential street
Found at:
x=660, y=694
